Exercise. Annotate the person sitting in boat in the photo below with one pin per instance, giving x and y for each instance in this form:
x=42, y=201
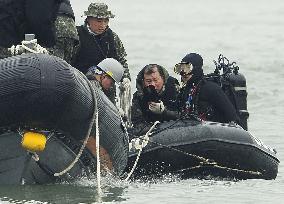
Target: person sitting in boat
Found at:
x=52, y=22
x=105, y=74
x=155, y=98
x=199, y=96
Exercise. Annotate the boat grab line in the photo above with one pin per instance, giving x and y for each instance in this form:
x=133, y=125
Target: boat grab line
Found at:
x=204, y=161
x=145, y=140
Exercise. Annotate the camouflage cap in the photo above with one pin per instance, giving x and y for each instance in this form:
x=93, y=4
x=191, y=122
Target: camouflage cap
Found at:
x=98, y=10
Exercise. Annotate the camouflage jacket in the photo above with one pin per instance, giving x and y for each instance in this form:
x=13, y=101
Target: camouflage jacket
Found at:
x=121, y=54
x=66, y=39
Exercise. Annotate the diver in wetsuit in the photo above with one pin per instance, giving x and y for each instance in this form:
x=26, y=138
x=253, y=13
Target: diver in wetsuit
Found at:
x=200, y=96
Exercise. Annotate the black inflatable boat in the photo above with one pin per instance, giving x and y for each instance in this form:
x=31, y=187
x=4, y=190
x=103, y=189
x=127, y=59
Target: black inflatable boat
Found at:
x=196, y=149
x=46, y=109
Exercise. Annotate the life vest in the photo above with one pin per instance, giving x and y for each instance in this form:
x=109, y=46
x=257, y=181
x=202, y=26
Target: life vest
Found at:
x=40, y=18
x=93, y=49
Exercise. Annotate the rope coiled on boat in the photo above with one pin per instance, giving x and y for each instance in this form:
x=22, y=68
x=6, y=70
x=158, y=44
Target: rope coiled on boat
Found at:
x=23, y=47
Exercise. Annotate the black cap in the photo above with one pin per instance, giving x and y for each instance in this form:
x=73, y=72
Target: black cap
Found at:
x=194, y=59
x=197, y=63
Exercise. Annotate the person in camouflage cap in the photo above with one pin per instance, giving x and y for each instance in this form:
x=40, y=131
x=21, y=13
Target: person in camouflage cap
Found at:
x=52, y=22
x=98, y=10
x=98, y=41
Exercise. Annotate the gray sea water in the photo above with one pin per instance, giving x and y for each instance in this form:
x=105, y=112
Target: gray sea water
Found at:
x=249, y=32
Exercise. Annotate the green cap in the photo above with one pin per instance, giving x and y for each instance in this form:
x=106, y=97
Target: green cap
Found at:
x=98, y=10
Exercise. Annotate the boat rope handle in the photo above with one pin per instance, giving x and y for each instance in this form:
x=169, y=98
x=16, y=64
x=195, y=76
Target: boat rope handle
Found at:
x=145, y=141
x=92, y=121
x=214, y=164
x=204, y=161
x=15, y=50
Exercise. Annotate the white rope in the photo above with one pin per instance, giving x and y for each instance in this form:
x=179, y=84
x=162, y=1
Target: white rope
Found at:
x=94, y=118
x=125, y=102
x=23, y=47
x=145, y=141
x=76, y=159
x=98, y=156
x=38, y=49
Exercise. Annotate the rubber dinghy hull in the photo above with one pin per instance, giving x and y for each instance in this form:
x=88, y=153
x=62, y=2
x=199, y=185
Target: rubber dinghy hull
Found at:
x=43, y=92
x=193, y=149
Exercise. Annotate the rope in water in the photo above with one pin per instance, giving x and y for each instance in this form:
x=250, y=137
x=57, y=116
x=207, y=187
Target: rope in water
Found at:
x=93, y=120
x=98, y=156
x=144, y=143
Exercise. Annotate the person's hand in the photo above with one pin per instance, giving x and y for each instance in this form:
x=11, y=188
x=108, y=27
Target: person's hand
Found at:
x=157, y=108
x=125, y=84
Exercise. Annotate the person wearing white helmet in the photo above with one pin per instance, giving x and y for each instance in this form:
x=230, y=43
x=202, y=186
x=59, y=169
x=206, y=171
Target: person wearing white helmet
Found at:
x=106, y=73
x=98, y=41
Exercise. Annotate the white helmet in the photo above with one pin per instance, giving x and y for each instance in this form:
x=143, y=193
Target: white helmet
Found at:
x=113, y=68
